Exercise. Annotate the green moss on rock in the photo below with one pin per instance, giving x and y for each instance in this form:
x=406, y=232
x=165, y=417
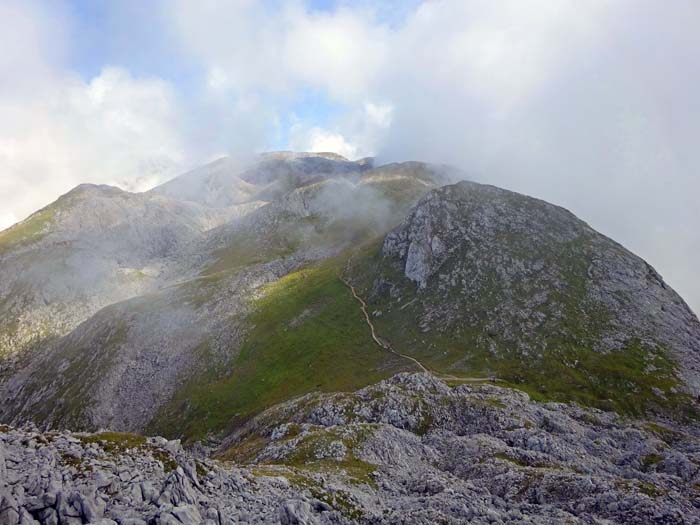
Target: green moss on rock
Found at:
x=28, y=231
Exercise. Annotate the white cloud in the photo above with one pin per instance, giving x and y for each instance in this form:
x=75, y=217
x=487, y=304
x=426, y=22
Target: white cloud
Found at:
x=379, y=115
x=249, y=46
x=320, y=140
x=358, y=134
x=340, y=52
x=593, y=105
x=57, y=130
x=7, y=219
x=114, y=130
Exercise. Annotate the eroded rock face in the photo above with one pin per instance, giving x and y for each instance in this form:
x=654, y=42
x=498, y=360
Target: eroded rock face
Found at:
x=407, y=450
x=513, y=273
x=420, y=451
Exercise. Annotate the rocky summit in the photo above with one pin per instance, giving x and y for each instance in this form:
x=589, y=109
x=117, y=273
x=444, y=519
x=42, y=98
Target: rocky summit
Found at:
x=322, y=341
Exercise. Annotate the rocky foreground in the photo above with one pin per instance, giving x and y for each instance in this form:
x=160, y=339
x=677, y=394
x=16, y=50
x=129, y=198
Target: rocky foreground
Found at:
x=411, y=449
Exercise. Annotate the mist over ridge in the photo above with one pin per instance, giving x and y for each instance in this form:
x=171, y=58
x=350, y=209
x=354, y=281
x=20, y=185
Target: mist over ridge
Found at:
x=592, y=107
x=302, y=314
x=349, y=262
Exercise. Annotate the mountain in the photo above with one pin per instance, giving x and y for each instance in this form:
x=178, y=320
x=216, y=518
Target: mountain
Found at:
x=94, y=246
x=226, y=182
x=236, y=306
x=141, y=287
x=495, y=282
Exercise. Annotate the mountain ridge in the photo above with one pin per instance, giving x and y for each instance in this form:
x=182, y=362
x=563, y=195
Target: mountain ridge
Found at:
x=338, y=342
x=182, y=344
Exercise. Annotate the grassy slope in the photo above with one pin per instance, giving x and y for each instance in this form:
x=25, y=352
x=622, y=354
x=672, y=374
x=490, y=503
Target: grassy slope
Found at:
x=308, y=335
x=36, y=226
x=23, y=234
x=81, y=367
x=28, y=231
x=248, y=248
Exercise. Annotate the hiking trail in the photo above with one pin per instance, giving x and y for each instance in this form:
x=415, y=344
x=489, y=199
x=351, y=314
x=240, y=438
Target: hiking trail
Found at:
x=385, y=345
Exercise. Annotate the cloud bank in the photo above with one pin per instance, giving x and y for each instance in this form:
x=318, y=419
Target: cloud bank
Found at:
x=592, y=105
x=58, y=130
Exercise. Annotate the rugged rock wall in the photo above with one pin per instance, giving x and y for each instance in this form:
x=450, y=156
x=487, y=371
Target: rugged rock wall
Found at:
x=409, y=450
x=518, y=278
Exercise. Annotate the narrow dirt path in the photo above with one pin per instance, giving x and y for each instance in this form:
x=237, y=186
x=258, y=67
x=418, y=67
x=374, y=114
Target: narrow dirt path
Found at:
x=382, y=344
x=387, y=346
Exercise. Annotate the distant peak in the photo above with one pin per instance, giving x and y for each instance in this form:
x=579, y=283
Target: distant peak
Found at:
x=292, y=155
x=92, y=189
x=86, y=186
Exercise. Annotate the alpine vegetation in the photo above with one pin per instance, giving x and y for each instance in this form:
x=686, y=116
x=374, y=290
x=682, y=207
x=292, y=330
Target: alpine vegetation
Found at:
x=301, y=338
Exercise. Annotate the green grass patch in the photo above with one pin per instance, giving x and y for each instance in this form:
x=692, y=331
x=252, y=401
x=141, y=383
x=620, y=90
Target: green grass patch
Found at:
x=338, y=499
x=115, y=442
x=166, y=458
x=28, y=231
x=668, y=435
x=621, y=380
x=650, y=460
x=246, y=451
x=118, y=443
x=652, y=490
x=308, y=334
x=246, y=249
x=302, y=466
x=306, y=452
x=510, y=459
x=77, y=463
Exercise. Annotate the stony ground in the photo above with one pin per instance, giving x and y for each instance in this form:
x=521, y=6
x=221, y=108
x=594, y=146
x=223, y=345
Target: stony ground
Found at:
x=411, y=449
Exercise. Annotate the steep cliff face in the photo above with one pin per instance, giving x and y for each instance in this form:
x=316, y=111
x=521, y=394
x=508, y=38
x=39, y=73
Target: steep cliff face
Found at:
x=524, y=288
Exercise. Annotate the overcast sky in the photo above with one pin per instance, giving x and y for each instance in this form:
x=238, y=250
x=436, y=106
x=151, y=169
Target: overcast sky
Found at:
x=590, y=104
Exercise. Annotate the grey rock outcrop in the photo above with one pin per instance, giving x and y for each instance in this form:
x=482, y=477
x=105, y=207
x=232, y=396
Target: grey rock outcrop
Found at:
x=114, y=478
x=419, y=451
x=513, y=275
x=414, y=450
